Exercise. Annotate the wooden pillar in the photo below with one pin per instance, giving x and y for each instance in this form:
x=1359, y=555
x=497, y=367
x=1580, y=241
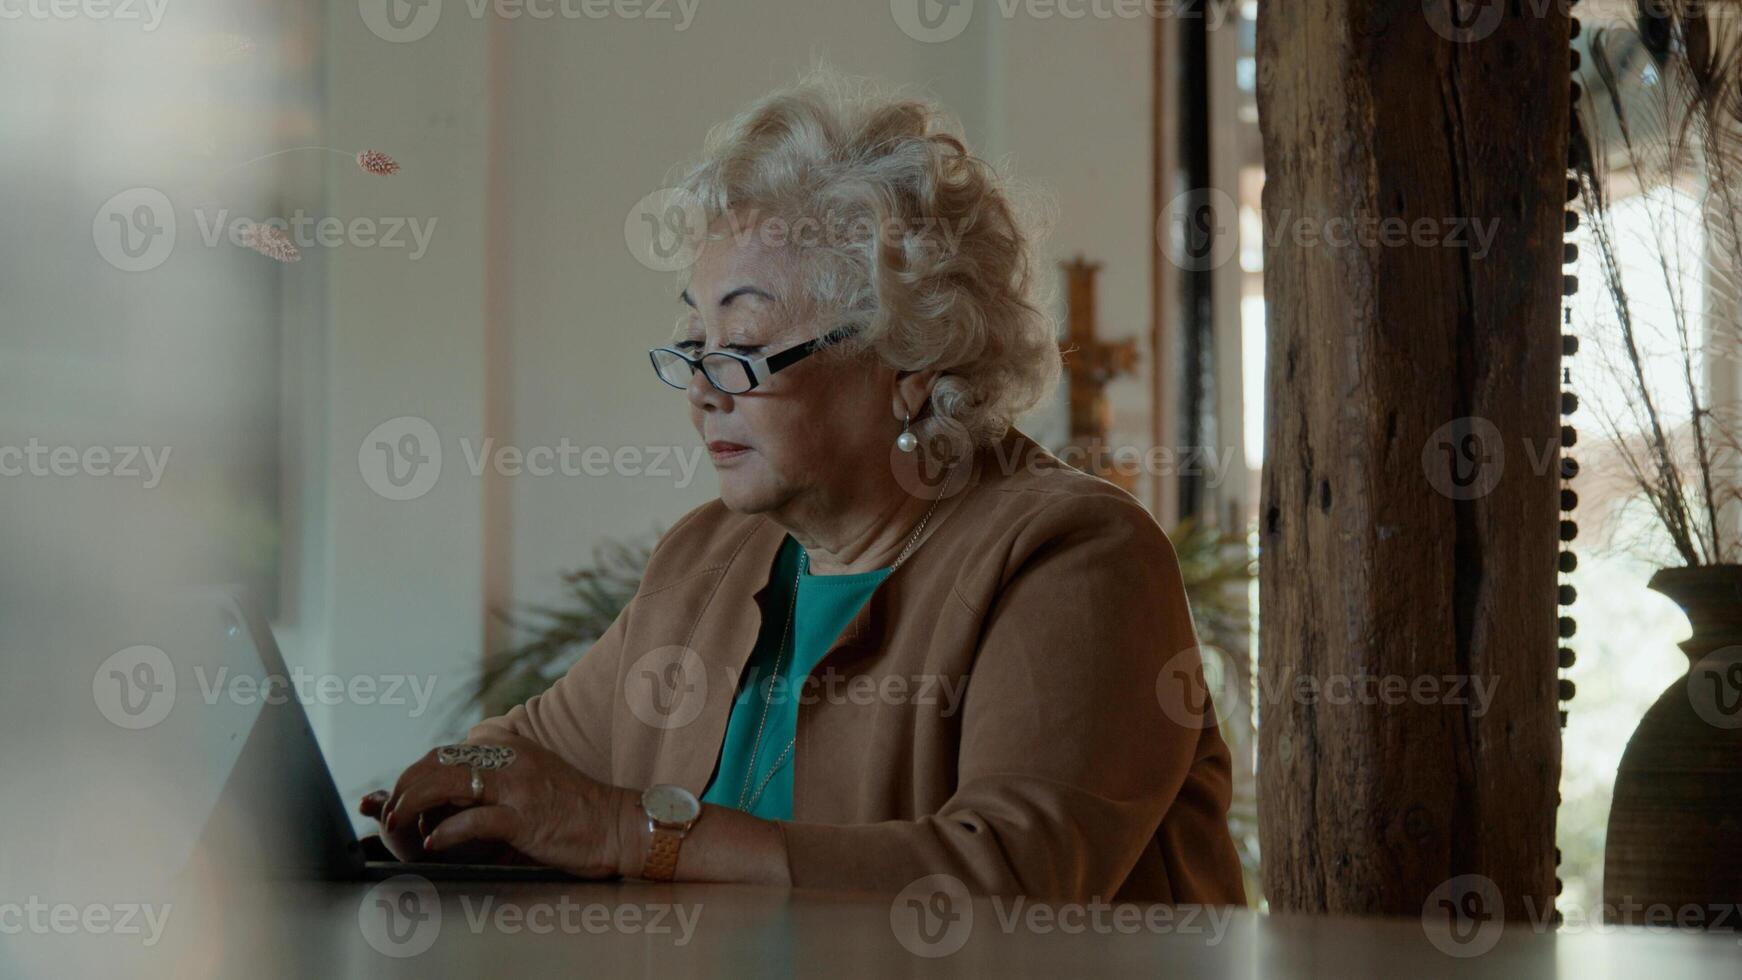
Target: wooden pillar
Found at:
x=1408, y=522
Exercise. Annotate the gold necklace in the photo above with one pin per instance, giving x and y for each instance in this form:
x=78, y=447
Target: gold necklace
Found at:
x=747, y=802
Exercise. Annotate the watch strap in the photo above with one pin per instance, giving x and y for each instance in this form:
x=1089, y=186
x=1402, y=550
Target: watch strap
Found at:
x=662, y=855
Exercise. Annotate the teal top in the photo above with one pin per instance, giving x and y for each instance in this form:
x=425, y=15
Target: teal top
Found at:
x=826, y=605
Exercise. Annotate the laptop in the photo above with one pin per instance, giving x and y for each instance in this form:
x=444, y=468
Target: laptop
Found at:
x=277, y=810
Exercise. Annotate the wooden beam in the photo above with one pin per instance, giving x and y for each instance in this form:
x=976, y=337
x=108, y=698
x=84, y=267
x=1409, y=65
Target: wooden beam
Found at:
x=1389, y=362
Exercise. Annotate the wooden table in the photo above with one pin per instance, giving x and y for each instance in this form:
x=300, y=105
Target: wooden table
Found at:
x=415, y=929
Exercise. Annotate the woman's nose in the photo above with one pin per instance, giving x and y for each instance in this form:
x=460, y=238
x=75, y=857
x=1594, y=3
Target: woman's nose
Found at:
x=703, y=395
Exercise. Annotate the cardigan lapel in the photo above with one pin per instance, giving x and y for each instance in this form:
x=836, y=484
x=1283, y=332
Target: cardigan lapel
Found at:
x=723, y=636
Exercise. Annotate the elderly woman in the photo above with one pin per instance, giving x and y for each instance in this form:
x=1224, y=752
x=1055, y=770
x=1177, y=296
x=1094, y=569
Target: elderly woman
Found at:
x=906, y=640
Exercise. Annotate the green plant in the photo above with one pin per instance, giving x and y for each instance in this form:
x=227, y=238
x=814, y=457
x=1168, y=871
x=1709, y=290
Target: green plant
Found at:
x=552, y=637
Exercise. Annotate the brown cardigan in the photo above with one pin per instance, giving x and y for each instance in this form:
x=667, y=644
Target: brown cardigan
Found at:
x=1028, y=739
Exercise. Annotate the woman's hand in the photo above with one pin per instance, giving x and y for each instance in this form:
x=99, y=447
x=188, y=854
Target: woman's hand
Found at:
x=407, y=843
x=538, y=806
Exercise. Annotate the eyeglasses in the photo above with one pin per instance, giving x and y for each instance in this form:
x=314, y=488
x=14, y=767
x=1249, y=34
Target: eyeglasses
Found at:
x=735, y=374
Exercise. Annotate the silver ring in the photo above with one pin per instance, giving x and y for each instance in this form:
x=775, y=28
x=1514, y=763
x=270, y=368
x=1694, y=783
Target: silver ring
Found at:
x=476, y=756
x=477, y=784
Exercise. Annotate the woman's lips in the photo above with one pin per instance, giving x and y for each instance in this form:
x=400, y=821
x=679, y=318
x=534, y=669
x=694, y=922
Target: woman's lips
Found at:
x=720, y=449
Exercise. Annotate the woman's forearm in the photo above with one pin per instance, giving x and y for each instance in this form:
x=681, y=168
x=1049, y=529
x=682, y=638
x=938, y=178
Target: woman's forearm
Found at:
x=725, y=845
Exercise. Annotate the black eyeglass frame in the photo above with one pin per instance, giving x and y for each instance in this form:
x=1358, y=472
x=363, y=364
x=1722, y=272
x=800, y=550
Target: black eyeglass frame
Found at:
x=757, y=369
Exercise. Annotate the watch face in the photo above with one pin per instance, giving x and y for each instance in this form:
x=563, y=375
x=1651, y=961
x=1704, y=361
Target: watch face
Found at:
x=668, y=804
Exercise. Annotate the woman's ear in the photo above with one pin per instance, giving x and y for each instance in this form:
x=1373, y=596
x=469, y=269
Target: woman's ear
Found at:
x=912, y=391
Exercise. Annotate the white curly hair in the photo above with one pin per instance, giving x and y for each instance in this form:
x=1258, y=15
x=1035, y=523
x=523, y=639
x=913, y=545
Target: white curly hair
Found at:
x=900, y=230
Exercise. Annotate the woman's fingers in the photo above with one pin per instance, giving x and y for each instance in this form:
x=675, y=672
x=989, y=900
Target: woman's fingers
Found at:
x=442, y=786
x=371, y=805
x=426, y=770
x=413, y=773
x=479, y=823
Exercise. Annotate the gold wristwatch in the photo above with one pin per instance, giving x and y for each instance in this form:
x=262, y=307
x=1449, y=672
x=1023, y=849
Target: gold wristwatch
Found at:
x=671, y=812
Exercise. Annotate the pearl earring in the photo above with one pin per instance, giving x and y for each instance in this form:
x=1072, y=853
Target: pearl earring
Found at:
x=907, y=441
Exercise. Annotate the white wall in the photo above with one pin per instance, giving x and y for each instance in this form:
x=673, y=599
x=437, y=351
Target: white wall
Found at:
x=528, y=320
